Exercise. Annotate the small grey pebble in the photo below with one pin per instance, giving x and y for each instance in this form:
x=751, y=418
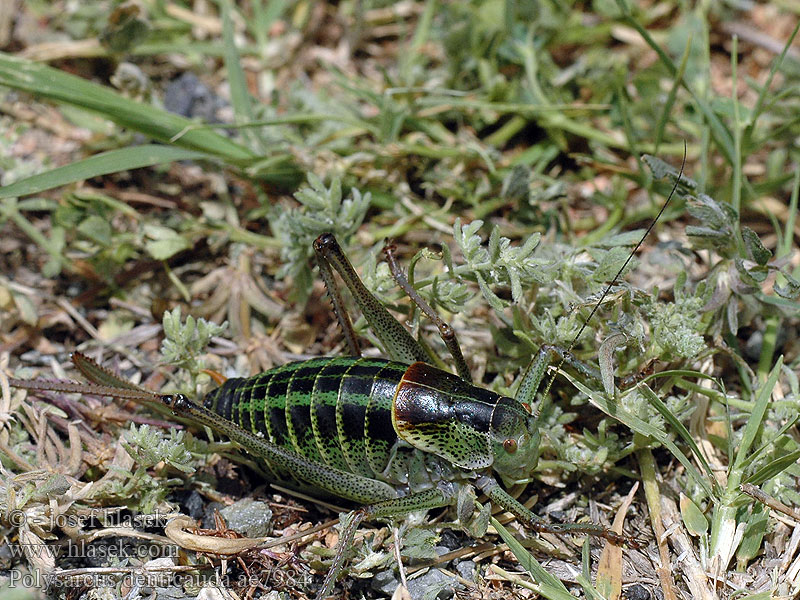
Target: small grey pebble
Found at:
x=194, y=504
x=169, y=593
x=433, y=585
x=440, y=550
x=188, y=96
x=467, y=569
x=249, y=517
x=384, y=582
x=637, y=592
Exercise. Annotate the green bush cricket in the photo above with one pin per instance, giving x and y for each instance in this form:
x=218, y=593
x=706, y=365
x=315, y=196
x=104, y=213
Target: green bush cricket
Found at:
x=396, y=436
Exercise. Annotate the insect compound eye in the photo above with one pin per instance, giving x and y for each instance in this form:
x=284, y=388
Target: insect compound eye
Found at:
x=510, y=445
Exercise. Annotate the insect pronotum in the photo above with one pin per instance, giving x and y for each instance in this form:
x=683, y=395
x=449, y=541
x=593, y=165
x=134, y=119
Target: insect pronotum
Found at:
x=396, y=435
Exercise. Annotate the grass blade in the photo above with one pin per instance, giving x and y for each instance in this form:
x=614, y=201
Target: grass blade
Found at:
x=58, y=86
x=112, y=161
x=753, y=425
x=719, y=132
x=551, y=587
x=612, y=409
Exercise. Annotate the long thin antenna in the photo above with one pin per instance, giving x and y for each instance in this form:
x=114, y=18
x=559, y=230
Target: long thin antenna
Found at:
x=617, y=276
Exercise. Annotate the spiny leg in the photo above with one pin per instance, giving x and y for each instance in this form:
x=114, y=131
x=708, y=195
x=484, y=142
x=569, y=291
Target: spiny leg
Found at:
x=447, y=333
x=534, y=374
x=530, y=384
x=432, y=498
x=396, y=339
x=526, y=394
x=502, y=498
x=336, y=299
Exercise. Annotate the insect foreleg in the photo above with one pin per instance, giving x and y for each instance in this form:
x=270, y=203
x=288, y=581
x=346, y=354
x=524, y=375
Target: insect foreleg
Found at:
x=432, y=498
x=502, y=498
x=396, y=339
x=535, y=372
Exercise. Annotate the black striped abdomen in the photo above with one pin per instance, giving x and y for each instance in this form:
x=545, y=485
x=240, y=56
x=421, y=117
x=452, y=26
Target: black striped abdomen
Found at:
x=366, y=392
x=336, y=411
